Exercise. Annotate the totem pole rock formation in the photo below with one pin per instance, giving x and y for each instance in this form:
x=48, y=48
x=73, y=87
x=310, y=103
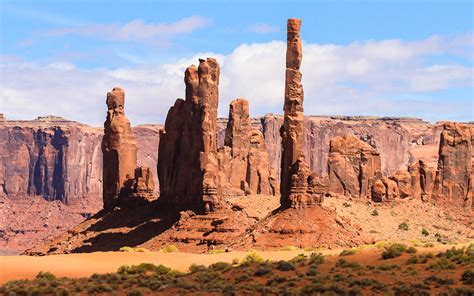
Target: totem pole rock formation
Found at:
x=187, y=161
x=243, y=161
x=353, y=167
x=455, y=174
x=296, y=184
x=119, y=149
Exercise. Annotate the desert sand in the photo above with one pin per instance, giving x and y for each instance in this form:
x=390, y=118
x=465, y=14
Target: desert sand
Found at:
x=86, y=264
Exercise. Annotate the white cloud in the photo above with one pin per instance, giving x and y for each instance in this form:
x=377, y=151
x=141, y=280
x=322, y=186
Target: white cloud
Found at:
x=391, y=77
x=134, y=30
x=263, y=28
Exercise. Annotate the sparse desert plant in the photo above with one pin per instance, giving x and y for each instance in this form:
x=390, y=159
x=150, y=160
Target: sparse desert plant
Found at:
x=444, y=239
x=346, y=204
x=442, y=264
x=374, y=212
x=428, y=245
x=216, y=251
x=220, y=266
x=253, y=257
x=343, y=263
x=197, y=268
x=263, y=269
x=393, y=251
x=348, y=252
x=467, y=277
x=235, y=261
x=285, y=265
x=316, y=259
x=403, y=226
x=300, y=258
x=411, y=250
x=438, y=280
x=425, y=232
x=169, y=249
x=289, y=248
x=126, y=249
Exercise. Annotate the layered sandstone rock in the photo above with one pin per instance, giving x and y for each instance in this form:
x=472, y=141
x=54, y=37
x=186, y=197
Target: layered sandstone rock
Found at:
x=295, y=187
x=400, y=141
x=353, y=166
x=455, y=173
x=187, y=162
x=119, y=149
x=139, y=190
x=243, y=161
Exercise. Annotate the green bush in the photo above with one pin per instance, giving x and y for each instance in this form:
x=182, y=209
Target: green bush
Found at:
x=438, y=280
x=343, y=263
x=403, y=226
x=347, y=252
x=393, y=251
x=169, y=249
x=253, y=257
x=467, y=277
x=316, y=259
x=300, y=258
x=411, y=250
x=442, y=264
x=220, y=266
x=285, y=265
x=263, y=269
x=197, y=268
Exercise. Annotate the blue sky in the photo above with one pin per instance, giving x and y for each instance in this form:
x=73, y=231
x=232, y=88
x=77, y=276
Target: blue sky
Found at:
x=387, y=58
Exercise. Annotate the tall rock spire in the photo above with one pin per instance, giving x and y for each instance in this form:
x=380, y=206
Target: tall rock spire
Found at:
x=119, y=149
x=296, y=179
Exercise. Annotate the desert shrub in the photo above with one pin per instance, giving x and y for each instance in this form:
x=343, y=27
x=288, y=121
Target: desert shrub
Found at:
x=169, y=249
x=412, y=260
x=438, y=280
x=289, y=248
x=253, y=257
x=220, y=266
x=343, y=263
x=386, y=267
x=235, y=261
x=241, y=278
x=45, y=275
x=444, y=239
x=403, y=226
x=143, y=268
x=126, y=249
x=135, y=292
x=284, y=265
x=411, y=250
x=425, y=232
x=393, y=251
x=316, y=259
x=374, y=212
x=347, y=252
x=442, y=264
x=346, y=204
x=263, y=269
x=312, y=271
x=467, y=277
x=300, y=258
x=197, y=268
x=412, y=289
x=141, y=250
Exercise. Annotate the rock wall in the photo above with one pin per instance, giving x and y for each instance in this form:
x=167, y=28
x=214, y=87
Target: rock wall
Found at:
x=243, y=165
x=455, y=172
x=353, y=167
x=61, y=160
x=119, y=149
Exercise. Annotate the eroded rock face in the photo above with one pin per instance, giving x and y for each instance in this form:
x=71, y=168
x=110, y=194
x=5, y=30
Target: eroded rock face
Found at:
x=119, y=149
x=295, y=187
x=243, y=161
x=187, y=161
x=353, y=167
x=454, y=176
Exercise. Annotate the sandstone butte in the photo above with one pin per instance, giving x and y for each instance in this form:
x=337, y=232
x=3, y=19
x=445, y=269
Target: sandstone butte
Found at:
x=202, y=163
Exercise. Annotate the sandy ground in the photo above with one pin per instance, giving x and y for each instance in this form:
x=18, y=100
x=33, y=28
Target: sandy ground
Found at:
x=86, y=264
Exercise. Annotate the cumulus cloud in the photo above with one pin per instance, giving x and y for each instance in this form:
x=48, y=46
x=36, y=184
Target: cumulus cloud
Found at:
x=263, y=28
x=134, y=30
x=387, y=78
